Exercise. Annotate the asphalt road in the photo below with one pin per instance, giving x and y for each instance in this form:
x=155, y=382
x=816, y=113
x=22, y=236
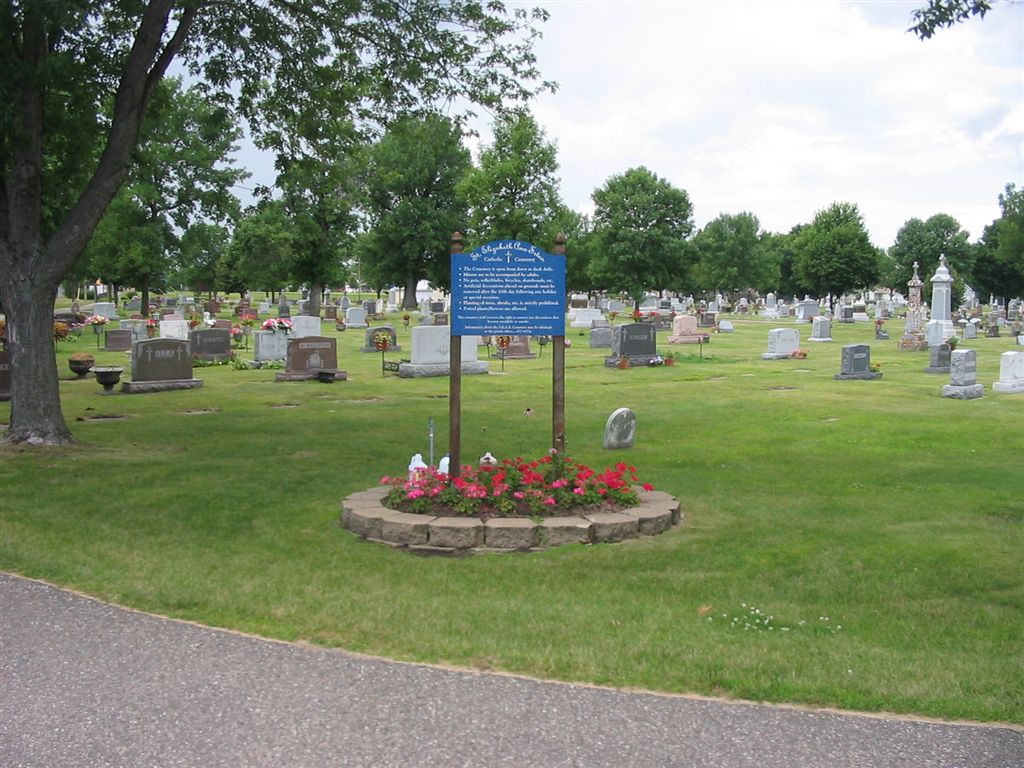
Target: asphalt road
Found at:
x=87, y=684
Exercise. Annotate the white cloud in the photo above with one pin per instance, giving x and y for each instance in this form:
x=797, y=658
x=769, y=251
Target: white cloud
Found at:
x=782, y=108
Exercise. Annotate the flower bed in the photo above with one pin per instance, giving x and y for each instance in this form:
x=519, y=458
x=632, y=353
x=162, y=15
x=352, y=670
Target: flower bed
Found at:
x=551, y=486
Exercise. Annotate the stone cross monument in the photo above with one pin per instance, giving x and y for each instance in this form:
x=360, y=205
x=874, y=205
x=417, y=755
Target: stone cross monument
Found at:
x=913, y=339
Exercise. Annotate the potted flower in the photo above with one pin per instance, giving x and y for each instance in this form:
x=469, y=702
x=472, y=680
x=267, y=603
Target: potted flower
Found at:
x=637, y=314
x=80, y=363
x=152, y=325
x=405, y=319
x=622, y=363
x=382, y=341
x=97, y=322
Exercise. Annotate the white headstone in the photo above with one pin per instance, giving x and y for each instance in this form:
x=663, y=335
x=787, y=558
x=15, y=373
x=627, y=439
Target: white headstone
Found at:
x=174, y=329
x=355, y=317
x=1011, y=373
x=305, y=325
x=782, y=342
x=270, y=345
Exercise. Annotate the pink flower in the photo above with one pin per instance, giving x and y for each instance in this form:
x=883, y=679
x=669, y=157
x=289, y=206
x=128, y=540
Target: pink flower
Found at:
x=578, y=491
x=550, y=501
x=647, y=487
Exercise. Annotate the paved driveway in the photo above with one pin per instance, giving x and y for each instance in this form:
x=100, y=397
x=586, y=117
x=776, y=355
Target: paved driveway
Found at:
x=87, y=684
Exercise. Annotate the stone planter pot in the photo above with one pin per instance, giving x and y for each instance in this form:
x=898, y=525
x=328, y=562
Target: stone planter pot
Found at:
x=81, y=367
x=108, y=376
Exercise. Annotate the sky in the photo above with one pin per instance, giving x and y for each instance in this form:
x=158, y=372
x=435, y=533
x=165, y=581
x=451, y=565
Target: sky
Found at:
x=782, y=108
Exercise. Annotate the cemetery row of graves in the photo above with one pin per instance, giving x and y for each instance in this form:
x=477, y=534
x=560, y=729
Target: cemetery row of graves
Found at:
x=877, y=523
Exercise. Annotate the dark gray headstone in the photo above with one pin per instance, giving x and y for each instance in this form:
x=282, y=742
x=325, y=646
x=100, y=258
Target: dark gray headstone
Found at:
x=370, y=307
x=856, y=359
x=161, y=360
x=283, y=310
x=437, y=306
x=939, y=356
x=311, y=353
x=210, y=344
x=370, y=343
x=620, y=429
x=635, y=340
x=118, y=341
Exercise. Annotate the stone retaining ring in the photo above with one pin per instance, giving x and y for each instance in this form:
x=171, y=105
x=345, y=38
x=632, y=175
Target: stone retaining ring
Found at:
x=364, y=514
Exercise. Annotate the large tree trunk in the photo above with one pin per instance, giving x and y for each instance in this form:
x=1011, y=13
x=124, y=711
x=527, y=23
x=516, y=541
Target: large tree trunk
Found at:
x=31, y=266
x=36, y=416
x=144, y=296
x=409, y=298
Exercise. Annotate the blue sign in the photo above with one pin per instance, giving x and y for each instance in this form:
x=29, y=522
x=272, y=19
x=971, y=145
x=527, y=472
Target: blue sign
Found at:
x=508, y=287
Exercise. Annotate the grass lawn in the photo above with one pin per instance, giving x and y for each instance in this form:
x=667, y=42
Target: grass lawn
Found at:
x=854, y=544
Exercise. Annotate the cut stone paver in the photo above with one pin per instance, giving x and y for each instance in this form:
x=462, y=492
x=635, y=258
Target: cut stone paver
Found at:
x=613, y=526
x=456, y=532
x=558, y=531
x=366, y=522
x=510, y=533
x=404, y=528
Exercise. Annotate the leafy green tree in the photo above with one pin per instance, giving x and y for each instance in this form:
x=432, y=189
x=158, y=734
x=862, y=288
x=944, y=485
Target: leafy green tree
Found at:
x=63, y=158
x=180, y=172
x=732, y=256
x=834, y=253
x=263, y=246
x=203, y=261
x=513, y=192
x=999, y=268
x=642, y=223
x=945, y=13
x=413, y=206
x=782, y=251
x=925, y=242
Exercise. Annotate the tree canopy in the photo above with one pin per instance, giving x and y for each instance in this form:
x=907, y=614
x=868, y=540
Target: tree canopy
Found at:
x=641, y=222
x=834, y=254
x=732, y=257
x=63, y=157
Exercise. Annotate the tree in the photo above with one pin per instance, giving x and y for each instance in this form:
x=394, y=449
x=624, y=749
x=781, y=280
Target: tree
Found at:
x=945, y=13
x=782, y=251
x=513, y=192
x=63, y=160
x=834, y=254
x=204, y=263
x=925, y=242
x=642, y=222
x=411, y=181
x=999, y=268
x=732, y=256
x=181, y=172
x=263, y=246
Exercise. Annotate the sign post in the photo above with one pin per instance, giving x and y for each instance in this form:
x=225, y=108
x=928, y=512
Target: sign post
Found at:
x=507, y=287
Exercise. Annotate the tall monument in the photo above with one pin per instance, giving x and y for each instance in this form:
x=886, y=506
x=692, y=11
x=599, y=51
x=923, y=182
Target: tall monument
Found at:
x=913, y=339
x=940, y=327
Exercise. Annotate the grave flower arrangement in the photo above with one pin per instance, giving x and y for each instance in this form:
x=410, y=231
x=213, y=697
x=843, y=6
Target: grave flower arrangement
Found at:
x=96, y=320
x=277, y=325
x=637, y=314
x=193, y=323
x=60, y=332
x=799, y=354
x=552, y=486
x=152, y=324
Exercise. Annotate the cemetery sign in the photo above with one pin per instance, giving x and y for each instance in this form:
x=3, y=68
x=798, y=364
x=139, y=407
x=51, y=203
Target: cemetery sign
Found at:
x=508, y=287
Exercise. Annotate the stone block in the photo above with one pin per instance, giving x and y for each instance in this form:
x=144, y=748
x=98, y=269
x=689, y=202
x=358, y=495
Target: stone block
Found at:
x=556, y=531
x=510, y=533
x=365, y=521
x=652, y=520
x=456, y=532
x=404, y=528
x=613, y=526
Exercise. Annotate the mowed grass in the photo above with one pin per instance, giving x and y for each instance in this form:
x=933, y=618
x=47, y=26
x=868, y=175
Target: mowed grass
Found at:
x=878, y=525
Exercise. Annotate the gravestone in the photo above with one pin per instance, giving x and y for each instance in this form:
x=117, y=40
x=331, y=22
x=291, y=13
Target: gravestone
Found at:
x=1011, y=373
x=620, y=429
x=369, y=345
x=771, y=306
x=856, y=363
x=518, y=349
x=5, y=375
x=636, y=342
x=431, y=345
x=782, y=343
x=137, y=328
x=939, y=359
x=284, y=310
x=224, y=324
x=821, y=329
x=601, y=337
x=270, y=345
x=212, y=344
x=308, y=356
x=174, y=329
x=305, y=325
x=992, y=332
x=440, y=318
x=600, y=322
x=330, y=312
x=370, y=307
x=725, y=326
x=684, y=331
x=806, y=310
x=171, y=313
x=971, y=331
x=105, y=309
x=583, y=318
x=707, y=319
x=213, y=307
x=355, y=317
x=846, y=314
x=160, y=364
x=118, y=341
x=860, y=312
x=963, y=384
